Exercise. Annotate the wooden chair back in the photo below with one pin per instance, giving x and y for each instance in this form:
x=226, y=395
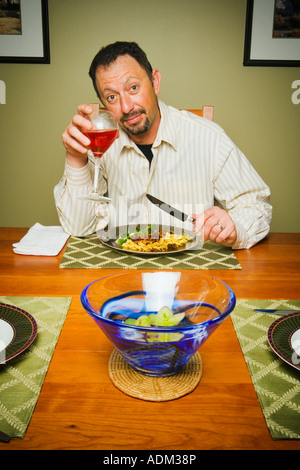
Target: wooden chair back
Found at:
x=206, y=111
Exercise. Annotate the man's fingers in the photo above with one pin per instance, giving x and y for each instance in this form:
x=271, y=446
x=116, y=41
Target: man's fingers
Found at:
x=216, y=225
x=84, y=109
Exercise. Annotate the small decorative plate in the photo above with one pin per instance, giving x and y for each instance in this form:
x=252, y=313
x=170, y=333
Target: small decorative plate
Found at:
x=109, y=238
x=18, y=330
x=284, y=338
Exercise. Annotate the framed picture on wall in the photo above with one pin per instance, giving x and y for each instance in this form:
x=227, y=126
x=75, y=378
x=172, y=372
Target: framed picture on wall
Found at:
x=272, y=34
x=24, y=32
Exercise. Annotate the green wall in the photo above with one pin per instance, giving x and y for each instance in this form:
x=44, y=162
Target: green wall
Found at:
x=198, y=47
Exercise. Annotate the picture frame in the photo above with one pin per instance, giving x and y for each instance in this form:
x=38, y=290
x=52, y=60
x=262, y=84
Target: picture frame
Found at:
x=31, y=44
x=261, y=48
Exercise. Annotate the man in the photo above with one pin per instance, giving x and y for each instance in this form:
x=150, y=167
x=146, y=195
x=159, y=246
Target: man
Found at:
x=182, y=159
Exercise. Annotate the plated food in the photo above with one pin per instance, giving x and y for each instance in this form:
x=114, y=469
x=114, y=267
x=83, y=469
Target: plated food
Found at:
x=153, y=239
x=149, y=239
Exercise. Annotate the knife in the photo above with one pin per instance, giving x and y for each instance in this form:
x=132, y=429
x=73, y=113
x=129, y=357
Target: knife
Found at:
x=171, y=210
x=275, y=311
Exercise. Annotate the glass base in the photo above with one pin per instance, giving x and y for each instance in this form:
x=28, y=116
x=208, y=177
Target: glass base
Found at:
x=95, y=197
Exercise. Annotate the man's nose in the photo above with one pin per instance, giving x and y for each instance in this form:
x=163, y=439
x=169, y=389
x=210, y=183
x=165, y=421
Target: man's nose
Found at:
x=126, y=104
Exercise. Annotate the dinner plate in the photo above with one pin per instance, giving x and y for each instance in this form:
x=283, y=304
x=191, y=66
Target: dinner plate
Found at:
x=18, y=330
x=110, y=236
x=284, y=338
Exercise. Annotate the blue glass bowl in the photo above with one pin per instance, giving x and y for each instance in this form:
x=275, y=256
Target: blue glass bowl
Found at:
x=158, y=350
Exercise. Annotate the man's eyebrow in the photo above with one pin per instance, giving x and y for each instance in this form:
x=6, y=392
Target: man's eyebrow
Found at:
x=129, y=79
x=133, y=77
x=109, y=90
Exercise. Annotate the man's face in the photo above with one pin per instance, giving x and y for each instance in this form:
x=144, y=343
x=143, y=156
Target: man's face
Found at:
x=126, y=90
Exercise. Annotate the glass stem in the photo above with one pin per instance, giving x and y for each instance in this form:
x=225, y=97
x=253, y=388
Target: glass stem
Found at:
x=96, y=175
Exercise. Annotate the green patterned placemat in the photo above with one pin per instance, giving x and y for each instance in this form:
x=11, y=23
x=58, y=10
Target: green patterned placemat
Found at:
x=276, y=383
x=21, y=378
x=89, y=252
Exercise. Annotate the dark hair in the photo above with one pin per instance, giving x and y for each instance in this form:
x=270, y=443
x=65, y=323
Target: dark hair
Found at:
x=110, y=53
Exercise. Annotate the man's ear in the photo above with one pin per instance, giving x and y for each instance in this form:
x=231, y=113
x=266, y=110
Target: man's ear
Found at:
x=156, y=77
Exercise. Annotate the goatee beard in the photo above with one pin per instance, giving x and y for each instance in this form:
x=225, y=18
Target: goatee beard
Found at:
x=132, y=129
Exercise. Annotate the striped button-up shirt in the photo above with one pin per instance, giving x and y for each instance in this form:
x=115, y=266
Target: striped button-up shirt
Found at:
x=195, y=166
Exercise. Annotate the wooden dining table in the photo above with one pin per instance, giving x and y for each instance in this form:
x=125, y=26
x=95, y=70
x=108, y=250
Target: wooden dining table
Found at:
x=80, y=408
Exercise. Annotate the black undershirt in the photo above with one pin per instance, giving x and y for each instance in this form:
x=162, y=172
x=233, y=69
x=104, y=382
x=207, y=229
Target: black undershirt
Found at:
x=147, y=151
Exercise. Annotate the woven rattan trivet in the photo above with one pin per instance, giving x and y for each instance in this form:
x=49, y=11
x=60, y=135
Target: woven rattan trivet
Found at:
x=154, y=388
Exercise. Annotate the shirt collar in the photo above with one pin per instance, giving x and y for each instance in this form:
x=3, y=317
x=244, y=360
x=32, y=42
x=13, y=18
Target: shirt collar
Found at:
x=167, y=131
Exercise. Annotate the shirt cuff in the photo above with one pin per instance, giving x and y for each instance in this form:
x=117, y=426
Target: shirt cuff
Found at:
x=78, y=176
x=241, y=239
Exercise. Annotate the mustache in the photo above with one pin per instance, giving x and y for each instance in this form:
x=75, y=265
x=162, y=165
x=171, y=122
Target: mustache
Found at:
x=132, y=114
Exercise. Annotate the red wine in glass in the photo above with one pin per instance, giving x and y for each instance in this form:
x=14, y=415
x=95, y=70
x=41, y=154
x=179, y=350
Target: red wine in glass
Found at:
x=103, y=134
x=101, y=140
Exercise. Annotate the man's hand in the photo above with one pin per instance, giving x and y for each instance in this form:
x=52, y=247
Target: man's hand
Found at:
x=74, y=140
x=215, y=224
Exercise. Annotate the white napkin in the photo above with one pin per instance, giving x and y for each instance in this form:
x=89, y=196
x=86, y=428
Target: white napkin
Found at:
x=41, y=241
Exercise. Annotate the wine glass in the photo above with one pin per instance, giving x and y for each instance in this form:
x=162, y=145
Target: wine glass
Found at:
x=102, y=135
